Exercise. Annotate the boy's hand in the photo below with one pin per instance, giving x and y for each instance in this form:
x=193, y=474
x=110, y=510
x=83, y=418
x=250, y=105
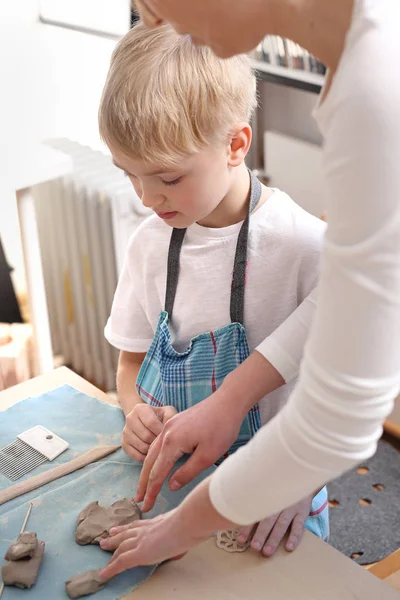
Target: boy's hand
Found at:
x=143, y=424
x=269, y=533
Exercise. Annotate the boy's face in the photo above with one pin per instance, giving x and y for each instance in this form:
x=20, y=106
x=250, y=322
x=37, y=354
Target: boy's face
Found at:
x=228, y=26
x=186, y=194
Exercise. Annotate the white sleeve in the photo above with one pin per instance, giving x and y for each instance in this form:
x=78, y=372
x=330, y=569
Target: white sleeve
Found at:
x=128, y=327
x=284, y=348
x=351, y=369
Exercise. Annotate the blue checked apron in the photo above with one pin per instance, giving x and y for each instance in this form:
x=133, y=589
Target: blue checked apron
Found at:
x=182, y=379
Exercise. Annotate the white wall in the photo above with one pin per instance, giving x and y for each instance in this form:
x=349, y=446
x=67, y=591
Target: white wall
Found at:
x=79, y=64
x=52, y=76
x=51, y=81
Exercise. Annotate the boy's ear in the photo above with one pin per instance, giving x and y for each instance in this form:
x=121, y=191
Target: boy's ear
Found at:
x=239, y=144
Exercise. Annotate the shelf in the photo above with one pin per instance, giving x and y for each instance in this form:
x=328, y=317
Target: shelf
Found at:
x=302, y=80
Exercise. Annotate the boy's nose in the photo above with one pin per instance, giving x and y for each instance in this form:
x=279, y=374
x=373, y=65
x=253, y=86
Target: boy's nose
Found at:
x=152, y=200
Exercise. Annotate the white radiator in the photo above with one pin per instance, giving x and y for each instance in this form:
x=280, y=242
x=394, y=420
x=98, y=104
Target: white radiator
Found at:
x=85, y=221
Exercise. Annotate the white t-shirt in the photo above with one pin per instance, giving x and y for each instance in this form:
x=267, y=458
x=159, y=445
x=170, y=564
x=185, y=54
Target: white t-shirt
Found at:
x=351, y=369
x=283, y=262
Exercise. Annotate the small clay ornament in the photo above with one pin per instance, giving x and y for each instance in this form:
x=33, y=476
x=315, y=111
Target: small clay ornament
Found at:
x=85, y=584
x=25, y=546
x=95, y=521
x=226, y=540
x=23, y=573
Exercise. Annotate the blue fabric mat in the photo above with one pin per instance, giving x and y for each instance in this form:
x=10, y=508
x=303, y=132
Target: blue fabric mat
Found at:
x=84, y=422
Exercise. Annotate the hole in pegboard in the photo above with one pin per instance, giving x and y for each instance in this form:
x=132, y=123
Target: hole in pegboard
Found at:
x=364, y=502
x=379, y=487
x=356, y=555
x=333, y=503
x=363, y=470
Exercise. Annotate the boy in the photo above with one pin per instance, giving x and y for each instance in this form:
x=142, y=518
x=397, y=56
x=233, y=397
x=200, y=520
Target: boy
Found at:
x=222, y=263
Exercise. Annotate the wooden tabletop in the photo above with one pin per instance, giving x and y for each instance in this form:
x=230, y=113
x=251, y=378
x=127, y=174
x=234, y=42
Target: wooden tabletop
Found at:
x=315, y=571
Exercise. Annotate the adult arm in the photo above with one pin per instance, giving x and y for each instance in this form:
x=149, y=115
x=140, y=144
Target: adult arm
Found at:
x=207, y=430
x=351, y=370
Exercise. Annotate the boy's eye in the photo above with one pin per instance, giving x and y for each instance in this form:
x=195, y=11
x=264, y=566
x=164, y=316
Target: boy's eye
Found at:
x=174, y=182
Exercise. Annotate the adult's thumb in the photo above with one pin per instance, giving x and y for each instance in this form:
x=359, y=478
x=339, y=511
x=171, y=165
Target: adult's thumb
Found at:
x=195, y=464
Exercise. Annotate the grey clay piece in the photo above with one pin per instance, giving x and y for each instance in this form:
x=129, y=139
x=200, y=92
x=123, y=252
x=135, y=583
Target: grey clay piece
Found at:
x=84, y=584
x=95, y=521
x=25, y=546
x=23, y=573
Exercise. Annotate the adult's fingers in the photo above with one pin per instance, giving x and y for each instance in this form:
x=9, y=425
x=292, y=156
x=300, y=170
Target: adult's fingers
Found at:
x=159, y=473
x=278, y=532
x=164, y=462
x=262, y=532
x=130, y=543
x=114, y=541
x=120, y=528
x=119, y=564
x=147, y=467
x=296, y=533
x=196, y=463
x=243, y=533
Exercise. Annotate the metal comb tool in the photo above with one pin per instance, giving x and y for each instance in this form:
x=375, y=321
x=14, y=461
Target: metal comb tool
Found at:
x=31, y=449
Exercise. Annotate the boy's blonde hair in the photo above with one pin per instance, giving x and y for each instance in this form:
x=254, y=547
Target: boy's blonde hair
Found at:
x=165, y=98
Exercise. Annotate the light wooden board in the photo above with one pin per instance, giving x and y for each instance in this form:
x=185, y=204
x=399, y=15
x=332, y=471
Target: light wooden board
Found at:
x=394, y=580
x=392, y=425
x=44, y=383
x=387, y=567
x=314, y=572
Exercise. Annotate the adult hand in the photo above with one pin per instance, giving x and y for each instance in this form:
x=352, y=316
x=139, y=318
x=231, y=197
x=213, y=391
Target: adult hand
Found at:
x=143, y=424
x=170, y=535
x=205, y=431
x=269, y=533
x=143, y=542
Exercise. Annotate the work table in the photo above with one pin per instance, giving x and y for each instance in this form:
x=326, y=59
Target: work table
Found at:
x=315, y=571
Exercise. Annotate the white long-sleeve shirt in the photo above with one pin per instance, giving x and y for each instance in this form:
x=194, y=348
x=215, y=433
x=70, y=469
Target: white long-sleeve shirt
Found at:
x=351, y=368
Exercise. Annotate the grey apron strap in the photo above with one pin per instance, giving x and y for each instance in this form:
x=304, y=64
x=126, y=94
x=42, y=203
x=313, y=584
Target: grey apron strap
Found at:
x=239, y=270
x=240, y=265
x=174, y=252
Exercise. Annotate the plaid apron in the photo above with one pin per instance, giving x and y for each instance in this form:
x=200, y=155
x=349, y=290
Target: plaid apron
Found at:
x=182, y=379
